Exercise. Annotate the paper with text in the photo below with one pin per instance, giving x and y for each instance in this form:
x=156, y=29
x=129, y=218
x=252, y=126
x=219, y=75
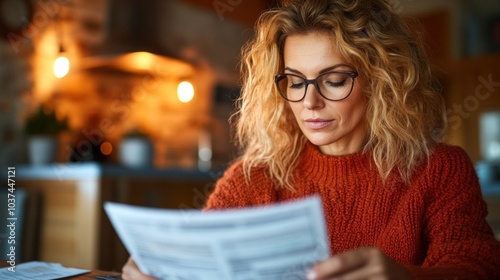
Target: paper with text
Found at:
x=40, y=271
x=281, y=241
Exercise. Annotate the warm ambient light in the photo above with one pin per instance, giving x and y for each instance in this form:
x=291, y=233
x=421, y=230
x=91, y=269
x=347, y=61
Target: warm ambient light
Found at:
x=142, y=60
x=185, y=91
x=61, y=66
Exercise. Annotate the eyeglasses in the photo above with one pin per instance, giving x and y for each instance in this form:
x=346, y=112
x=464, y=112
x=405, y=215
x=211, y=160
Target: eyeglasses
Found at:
x=333, y=86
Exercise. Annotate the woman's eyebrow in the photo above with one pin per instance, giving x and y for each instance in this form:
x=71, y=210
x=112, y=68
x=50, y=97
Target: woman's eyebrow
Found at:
x=293, y=70
x=334, y=67
x=322, y=70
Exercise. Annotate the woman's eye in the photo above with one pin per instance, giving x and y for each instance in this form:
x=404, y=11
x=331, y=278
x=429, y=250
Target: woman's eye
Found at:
x=296, y=85
x=335, y=84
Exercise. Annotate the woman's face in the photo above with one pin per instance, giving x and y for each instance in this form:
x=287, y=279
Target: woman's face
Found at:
x=337, y=127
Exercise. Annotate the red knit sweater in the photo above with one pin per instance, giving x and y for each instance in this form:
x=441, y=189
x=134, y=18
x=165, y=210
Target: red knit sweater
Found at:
x=436, y=226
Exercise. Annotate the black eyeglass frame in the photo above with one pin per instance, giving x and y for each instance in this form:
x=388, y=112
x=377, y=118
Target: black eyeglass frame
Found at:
x=279, y=77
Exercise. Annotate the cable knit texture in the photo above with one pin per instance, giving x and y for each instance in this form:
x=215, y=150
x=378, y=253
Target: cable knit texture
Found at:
x=436, y=227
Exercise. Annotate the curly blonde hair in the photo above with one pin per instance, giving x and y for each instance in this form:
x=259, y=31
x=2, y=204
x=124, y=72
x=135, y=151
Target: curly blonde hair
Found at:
x=405, y=114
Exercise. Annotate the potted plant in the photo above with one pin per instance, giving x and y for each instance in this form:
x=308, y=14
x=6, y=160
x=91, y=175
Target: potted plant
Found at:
x=136, y=150
x=42, y=129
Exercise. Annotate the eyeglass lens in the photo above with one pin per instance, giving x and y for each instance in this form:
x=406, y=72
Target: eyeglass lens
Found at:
x=332, y=86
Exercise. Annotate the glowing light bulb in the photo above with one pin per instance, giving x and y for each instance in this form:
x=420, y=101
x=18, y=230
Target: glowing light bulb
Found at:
x=185, y=92
x=61, y=66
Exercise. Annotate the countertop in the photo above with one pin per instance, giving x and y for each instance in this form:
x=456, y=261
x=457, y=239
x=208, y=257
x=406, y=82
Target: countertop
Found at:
x=94, y=171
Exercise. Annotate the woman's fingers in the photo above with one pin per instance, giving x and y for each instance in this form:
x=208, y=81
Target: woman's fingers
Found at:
x=130, y=271
x=363, y=263
x=340, y=264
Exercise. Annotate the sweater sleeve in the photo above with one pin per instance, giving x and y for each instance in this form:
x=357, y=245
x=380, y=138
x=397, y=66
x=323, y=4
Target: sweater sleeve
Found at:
x=461, y=244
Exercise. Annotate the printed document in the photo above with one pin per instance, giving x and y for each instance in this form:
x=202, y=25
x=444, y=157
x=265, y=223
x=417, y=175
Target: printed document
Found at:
x=281, y=241
x=39, y=271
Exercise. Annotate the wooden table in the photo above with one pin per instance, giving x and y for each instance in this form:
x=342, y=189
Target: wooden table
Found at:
x=93, y=273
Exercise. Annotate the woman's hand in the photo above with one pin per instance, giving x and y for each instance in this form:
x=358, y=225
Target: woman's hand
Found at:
x=363, y=263
x=130, y=271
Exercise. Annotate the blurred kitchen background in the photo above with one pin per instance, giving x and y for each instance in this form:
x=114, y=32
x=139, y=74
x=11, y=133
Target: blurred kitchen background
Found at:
x=126, y=62
x=129, y=101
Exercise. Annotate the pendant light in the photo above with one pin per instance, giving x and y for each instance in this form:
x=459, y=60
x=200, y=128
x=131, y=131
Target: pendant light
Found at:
x=61, y=63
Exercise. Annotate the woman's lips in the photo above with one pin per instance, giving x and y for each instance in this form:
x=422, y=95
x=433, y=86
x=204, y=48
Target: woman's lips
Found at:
x=317, y=123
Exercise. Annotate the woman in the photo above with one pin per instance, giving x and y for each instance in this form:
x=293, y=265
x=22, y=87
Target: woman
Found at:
x=338, y=100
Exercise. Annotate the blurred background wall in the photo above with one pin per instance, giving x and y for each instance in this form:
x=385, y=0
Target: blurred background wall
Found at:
x=105, y=95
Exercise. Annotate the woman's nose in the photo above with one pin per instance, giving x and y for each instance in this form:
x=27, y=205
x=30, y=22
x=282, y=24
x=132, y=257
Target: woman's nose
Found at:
x=313, y=100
